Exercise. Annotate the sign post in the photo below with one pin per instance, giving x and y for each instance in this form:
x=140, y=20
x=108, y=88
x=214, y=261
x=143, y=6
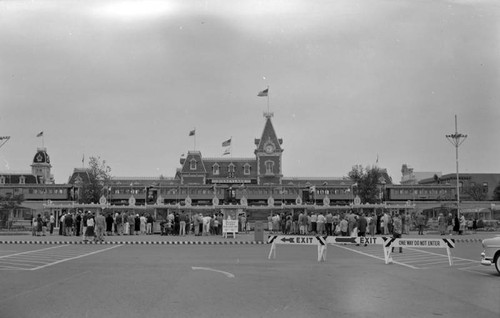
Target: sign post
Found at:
x=319, y=241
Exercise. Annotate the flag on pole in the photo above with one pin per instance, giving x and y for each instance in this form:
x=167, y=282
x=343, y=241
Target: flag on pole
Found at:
x=40, y=134
x=227, y=151
x=263, y=93
x=227, y=143
x=192, y=132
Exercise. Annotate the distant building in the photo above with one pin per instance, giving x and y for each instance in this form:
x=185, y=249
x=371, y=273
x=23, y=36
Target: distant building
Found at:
x=413, y=177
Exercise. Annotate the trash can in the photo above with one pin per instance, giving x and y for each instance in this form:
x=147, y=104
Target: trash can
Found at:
x=259, y=231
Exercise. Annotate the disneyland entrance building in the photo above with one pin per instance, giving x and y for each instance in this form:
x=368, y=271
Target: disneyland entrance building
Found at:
x=254, y=186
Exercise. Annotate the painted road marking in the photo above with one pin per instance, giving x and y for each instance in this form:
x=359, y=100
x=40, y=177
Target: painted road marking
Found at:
x=414, y=258
x=41, y=258
x=213, y=270
x=373, y=256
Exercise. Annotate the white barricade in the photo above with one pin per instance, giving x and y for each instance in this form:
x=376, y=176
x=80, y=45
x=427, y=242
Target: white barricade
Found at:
x=297, y=240
x=389, y=242
x=418, y=243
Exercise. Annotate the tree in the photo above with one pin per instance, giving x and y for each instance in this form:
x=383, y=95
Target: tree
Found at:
x=496, y=193
x=98, y=176
x=368, y=181
x=476, y=191
x=8, y=203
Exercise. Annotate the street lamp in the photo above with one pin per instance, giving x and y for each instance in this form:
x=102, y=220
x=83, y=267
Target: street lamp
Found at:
x=456, y=140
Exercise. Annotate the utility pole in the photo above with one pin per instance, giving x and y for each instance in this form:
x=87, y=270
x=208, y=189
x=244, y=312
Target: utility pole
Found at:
x=456, y=140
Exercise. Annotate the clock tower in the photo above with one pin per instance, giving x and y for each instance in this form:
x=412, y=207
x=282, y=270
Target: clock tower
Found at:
x=268, y=153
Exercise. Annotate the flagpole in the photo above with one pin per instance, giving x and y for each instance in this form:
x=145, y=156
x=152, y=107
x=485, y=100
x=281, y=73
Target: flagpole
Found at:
x=268, y=98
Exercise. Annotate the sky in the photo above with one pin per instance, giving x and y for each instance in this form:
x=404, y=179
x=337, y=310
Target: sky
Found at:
x=350, y=82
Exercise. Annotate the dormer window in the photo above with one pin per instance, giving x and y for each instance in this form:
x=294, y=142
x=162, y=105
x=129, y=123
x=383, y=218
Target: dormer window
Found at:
x=230, y=170
x=216, y=169
x=2, y=180
x=246, y=169
x=22, y=180
x=192, y=164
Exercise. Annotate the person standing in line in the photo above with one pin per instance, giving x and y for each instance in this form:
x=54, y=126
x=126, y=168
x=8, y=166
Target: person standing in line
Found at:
x=456, y=224
x=362, y=225
x=109, y=224
x=420, y=223
x=137, y=221
x=397, y=229
x=100, y=227
x=344, y=226
x=182, y=224
x=119, y=223
x=149, y=224
x=143, y=221
x=90, y=233
x=373, y=224
x=304, y=223
x=442, y=224
x=449, y=221
x=385, y=224
x=329, y=223
x=44, y=225
x=131, y=223
x=461, y=230
x=52, y=222
x=84, y=225
x=314, y=223
x=320, y=224
x=196, y=225
x=78, y=223
x=68, y=224
x=270, y=223
x=61, y=224
x=126, y=225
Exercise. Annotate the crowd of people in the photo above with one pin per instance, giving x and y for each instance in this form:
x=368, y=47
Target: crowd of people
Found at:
x=336, y=224
x=456, y=225
x=96, y=225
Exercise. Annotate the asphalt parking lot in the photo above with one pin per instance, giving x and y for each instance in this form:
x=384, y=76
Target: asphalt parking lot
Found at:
x=143, y=280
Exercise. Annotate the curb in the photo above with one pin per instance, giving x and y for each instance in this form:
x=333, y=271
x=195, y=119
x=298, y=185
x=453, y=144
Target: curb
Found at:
x=134, y=243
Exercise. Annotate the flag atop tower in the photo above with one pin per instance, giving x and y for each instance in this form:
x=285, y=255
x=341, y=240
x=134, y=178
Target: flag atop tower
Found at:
x=226, y=143
x=263, y=93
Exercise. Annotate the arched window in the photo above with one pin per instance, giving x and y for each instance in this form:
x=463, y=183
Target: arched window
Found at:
x=269, y=167
x=216, y=169
x=192, y=164
x=230, y=170
x=246, y=169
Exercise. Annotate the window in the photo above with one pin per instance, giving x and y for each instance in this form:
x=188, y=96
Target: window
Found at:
x=2, y=180
x=22, y=180
x=215, y=169
x=246, y=169
x=192, y=164
x=230, y=170
x=269, y=167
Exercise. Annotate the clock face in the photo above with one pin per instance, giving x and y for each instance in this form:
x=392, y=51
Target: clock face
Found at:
x=269, y=148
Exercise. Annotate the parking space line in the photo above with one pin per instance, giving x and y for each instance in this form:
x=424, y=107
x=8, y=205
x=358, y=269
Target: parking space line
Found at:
x=32, y=251
x=373, y=256
x=72, y=258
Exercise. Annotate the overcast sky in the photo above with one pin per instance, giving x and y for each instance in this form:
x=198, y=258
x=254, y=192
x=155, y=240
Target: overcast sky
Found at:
x=349, y=81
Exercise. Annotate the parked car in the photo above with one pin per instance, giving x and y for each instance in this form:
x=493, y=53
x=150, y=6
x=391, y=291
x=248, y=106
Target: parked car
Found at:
x=491, y=253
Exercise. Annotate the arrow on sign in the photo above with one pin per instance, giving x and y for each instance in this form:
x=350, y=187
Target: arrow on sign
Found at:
x=284, y=239
x=345, y=240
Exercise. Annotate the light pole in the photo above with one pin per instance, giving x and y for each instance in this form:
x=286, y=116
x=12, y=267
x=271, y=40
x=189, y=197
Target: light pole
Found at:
x=456, y=140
